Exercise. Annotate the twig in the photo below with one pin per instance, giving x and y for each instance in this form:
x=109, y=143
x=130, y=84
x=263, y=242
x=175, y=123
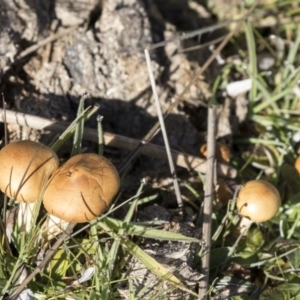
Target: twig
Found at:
x=194, y=33
x=208, y=200
x=209, y=184
x=118, y=141
x=4, y=120
x=202, y=45
x=49, y=39
x=164, y=132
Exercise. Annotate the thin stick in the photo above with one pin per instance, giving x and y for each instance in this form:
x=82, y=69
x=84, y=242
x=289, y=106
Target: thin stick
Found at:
x=78, y=133
x=48, y=40
x=181, y=159
x=163, y=130
x=4, y=120
x=208, y=200
x=194, y=33
x=201, y=46
x=206, y=229
x=100, y=134
x=3, y=223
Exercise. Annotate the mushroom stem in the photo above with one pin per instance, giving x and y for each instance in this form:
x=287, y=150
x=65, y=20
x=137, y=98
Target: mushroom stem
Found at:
x=244, y=225
x=24, y=218
x=52, y=227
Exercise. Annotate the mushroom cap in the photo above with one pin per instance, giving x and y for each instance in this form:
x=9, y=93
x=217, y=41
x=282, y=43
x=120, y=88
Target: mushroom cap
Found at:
x=25, y=169
x=82, y=188
x=258, y=200
x=297, y=165
x=223, y=193
x=222, y=152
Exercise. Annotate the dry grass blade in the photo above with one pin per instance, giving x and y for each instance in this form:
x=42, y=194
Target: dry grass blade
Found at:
x=164, y=132
x=4, y=120
x=208, y=199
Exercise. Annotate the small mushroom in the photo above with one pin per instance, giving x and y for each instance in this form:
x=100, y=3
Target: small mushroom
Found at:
x=80, y=191
x=25, y=169
x=297, y=165
x=257, y=201
x=223, y=192
x=222, y=152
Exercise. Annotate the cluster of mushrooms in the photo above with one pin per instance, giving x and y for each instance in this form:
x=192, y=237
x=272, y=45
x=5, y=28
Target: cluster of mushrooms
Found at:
x=257, y=200
x=78, y=191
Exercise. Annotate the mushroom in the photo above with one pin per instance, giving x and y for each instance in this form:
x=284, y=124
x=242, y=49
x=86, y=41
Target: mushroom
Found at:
x=297, y=165
x=79, y=191
x=258, y=201
x=223, y=192
x=222, y=152
x=25, y=169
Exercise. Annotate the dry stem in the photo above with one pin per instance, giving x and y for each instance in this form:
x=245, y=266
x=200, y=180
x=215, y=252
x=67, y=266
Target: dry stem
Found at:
x=208, y=200
x=164, y=131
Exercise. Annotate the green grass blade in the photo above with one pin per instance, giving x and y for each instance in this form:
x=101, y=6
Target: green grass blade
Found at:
x=261, y=141
x=99, y=258
x=147, y=232
x=79, y=127
x=258, y=108
x=293, y=52
x=112, y=254
x=85, y=115
x=133, y=205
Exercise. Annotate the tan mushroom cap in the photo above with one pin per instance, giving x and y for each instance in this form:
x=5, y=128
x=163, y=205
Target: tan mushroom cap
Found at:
x=223, y=193
x=25, y=169
x=82, y=188
x=297, y=165
x=222, y=152
x=258, y=200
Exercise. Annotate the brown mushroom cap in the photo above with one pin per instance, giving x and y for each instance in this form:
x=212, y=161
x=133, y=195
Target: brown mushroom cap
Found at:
x=25, y=168
x=82, y=188
x=297, y=165
x=222, y=152
x=223, y=193
x=258, y=200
